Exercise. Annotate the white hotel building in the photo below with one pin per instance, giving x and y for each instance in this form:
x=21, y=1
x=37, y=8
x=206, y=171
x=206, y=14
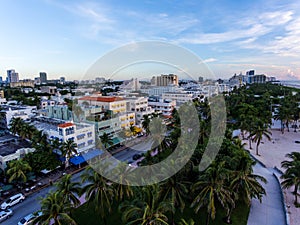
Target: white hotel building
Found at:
x=82, y=134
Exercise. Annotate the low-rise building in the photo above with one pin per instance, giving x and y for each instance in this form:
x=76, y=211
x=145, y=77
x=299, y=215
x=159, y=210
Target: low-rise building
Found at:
x=179, y=97
x=46, y=103
x=83, y=134
x=14, y=111
x=114, y=103
x=49, y=89
x=164, y=106
x=22, y=83
x=11, y=148
x=139, y=105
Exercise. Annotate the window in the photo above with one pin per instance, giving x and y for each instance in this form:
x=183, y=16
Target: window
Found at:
x=90, y=142
x=81, y=136
x=89, y=134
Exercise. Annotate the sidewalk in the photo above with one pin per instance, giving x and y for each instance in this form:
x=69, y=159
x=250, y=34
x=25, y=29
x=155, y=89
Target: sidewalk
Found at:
x=270, y=211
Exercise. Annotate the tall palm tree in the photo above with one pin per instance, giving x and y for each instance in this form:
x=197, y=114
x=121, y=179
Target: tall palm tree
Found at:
x=69, y=148
x=260, y=130
x=122, y=188
x=244, y=183
x=17, y=170
x=99, y=192
x=291, y=177
x=69, y=190
x=106, y=140
x=54, y=209
x=174, y=189
x=146, y=210
x=146, y=124
x=210, y=188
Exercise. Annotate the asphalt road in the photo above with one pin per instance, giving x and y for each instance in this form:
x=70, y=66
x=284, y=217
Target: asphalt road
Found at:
x=32, y=202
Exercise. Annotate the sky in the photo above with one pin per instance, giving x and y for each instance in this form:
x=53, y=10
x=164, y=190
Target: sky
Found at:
x=66, y=37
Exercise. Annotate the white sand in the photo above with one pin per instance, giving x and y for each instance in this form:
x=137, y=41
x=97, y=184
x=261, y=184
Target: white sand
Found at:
x=272, y=153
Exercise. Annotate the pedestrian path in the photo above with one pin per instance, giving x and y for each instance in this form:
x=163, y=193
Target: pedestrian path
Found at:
x=271, y=210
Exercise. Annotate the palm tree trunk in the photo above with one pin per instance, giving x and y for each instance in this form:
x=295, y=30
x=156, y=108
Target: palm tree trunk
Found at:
x=250, y=143
x=257, y=149
x=228, y=219
x=296, y=194
x=207, y=218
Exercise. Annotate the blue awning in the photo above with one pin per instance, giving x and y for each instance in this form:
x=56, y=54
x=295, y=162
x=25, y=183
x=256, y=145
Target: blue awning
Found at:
x=85, y=156
x=117, y=140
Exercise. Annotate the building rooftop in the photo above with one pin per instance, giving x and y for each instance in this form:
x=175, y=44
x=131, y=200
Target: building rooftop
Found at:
x=101, y=98
x=11, y=146
x=64, y=125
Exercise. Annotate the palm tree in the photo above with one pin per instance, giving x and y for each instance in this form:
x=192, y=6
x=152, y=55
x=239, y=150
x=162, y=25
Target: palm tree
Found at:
x=55, y=209
x=210, y=188
x=133, y=130
x=122, y=188
x=146, y=210
x=291, y=177
x=174, y=189
x=99, y=192
x=16, y=124
x=69, y=190
x=184, y=222
x=40, y=141
x=78, y=112
x=106, y=140
x=244, y=183
x=260, y=130
x=27, y=131
x=68, y=150
x=17, y=170
x=146, y=124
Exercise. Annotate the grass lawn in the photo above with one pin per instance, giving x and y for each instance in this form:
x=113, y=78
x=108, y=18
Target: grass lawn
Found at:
x=86, y=215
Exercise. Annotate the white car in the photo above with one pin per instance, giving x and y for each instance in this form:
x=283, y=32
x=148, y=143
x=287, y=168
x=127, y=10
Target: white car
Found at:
x=15, y=199
x=29, y=218
x=5, y=214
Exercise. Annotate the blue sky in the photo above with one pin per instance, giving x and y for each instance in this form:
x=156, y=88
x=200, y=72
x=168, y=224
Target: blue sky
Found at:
x=65, y=37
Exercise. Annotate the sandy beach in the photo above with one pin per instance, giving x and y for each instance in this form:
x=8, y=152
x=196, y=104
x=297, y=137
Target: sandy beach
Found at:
x=272, y=153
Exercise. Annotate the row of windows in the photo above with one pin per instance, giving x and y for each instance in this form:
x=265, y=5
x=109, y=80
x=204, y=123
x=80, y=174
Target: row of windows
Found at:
x=81, y=145
x=81, y=136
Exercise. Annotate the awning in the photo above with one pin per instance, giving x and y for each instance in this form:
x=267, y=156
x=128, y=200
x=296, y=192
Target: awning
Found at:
x=85, y=156
x=117, y=140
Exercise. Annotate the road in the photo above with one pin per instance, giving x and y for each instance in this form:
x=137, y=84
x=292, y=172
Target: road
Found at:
x=32, y=202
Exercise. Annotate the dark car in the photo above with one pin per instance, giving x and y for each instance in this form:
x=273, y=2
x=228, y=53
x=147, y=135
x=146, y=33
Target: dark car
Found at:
x=136, y=156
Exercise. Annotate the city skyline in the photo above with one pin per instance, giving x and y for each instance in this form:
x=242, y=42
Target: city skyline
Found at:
x=65, y=38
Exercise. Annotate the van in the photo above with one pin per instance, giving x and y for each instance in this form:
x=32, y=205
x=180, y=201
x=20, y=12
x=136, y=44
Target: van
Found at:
x=15, y=199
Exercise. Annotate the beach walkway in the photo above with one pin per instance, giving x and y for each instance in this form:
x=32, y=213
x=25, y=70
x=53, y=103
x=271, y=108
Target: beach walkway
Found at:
x=270, y=211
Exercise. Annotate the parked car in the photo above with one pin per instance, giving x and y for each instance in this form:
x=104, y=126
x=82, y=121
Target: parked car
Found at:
x=5, y=214
x=29, y=218
x=136, y=156
x=15, y=199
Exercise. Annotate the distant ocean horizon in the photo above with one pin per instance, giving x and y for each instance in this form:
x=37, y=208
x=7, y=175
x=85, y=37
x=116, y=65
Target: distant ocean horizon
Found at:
x=291, y=83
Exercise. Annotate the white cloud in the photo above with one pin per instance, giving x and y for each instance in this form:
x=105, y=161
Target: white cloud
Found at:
x=231, y=35
x=209, y=60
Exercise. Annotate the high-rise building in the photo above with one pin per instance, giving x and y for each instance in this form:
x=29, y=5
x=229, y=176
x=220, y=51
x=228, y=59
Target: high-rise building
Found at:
x=165, y=80
x=12, y=76
x=43, y=77
x=250, y=73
